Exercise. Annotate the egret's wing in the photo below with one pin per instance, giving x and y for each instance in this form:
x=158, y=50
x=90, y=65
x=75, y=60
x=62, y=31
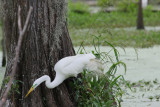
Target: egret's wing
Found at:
x=73, y=69
x=64, y=62
x=76, y=66
x=73, y=65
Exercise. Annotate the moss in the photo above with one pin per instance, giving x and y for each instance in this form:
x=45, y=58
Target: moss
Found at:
x=57, y=12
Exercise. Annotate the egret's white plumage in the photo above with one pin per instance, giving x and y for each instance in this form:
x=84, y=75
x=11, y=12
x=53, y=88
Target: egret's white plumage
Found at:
x=67, y=67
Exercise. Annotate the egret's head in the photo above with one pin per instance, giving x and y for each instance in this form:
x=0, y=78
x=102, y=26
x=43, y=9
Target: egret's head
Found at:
x=35, y=84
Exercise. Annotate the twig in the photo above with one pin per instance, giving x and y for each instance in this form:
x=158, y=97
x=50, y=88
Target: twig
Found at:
x=17, y=50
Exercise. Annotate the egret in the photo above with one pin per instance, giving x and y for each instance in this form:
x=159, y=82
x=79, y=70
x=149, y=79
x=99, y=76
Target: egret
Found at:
x=67, y=67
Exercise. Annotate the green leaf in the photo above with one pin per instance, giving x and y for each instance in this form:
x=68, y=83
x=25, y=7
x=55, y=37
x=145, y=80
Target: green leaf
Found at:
x=115, y=51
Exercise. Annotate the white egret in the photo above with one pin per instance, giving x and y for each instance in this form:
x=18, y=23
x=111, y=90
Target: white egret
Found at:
x=67, y=67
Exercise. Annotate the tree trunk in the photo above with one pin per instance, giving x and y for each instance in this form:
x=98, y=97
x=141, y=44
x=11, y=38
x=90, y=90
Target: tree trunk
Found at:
x=140, y=24
x=46, y=41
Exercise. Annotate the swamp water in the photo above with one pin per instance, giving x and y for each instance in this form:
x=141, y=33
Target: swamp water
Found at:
x=143, y=72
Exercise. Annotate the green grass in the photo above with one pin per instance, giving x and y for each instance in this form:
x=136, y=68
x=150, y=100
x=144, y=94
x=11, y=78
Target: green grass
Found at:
x=84, y=26
x=111, y=20
x=135, y=38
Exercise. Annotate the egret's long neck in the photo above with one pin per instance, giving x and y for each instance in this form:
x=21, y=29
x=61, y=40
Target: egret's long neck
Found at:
x=57, y=81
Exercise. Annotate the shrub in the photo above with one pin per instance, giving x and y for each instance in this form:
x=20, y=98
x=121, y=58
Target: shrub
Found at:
x=78, y=7
x=127, y=5
x=106, y=3
x=101, y=90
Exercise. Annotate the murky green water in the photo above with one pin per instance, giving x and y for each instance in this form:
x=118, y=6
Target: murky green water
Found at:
x=144, y=69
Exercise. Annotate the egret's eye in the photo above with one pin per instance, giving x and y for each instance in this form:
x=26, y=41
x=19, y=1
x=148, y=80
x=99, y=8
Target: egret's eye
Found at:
x=34, y=85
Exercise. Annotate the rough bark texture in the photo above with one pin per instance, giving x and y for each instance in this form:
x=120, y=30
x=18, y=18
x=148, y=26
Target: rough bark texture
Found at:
x=46, y=41
x=140, y=24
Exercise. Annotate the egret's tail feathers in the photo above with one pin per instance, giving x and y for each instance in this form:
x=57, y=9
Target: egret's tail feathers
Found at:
x=96, y=66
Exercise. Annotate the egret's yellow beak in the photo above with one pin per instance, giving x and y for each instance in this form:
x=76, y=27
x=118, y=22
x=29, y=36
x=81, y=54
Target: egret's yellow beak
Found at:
x=29, y=91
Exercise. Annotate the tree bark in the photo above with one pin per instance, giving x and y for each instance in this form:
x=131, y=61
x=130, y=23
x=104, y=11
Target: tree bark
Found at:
x=140, y=24
x=46, y=41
